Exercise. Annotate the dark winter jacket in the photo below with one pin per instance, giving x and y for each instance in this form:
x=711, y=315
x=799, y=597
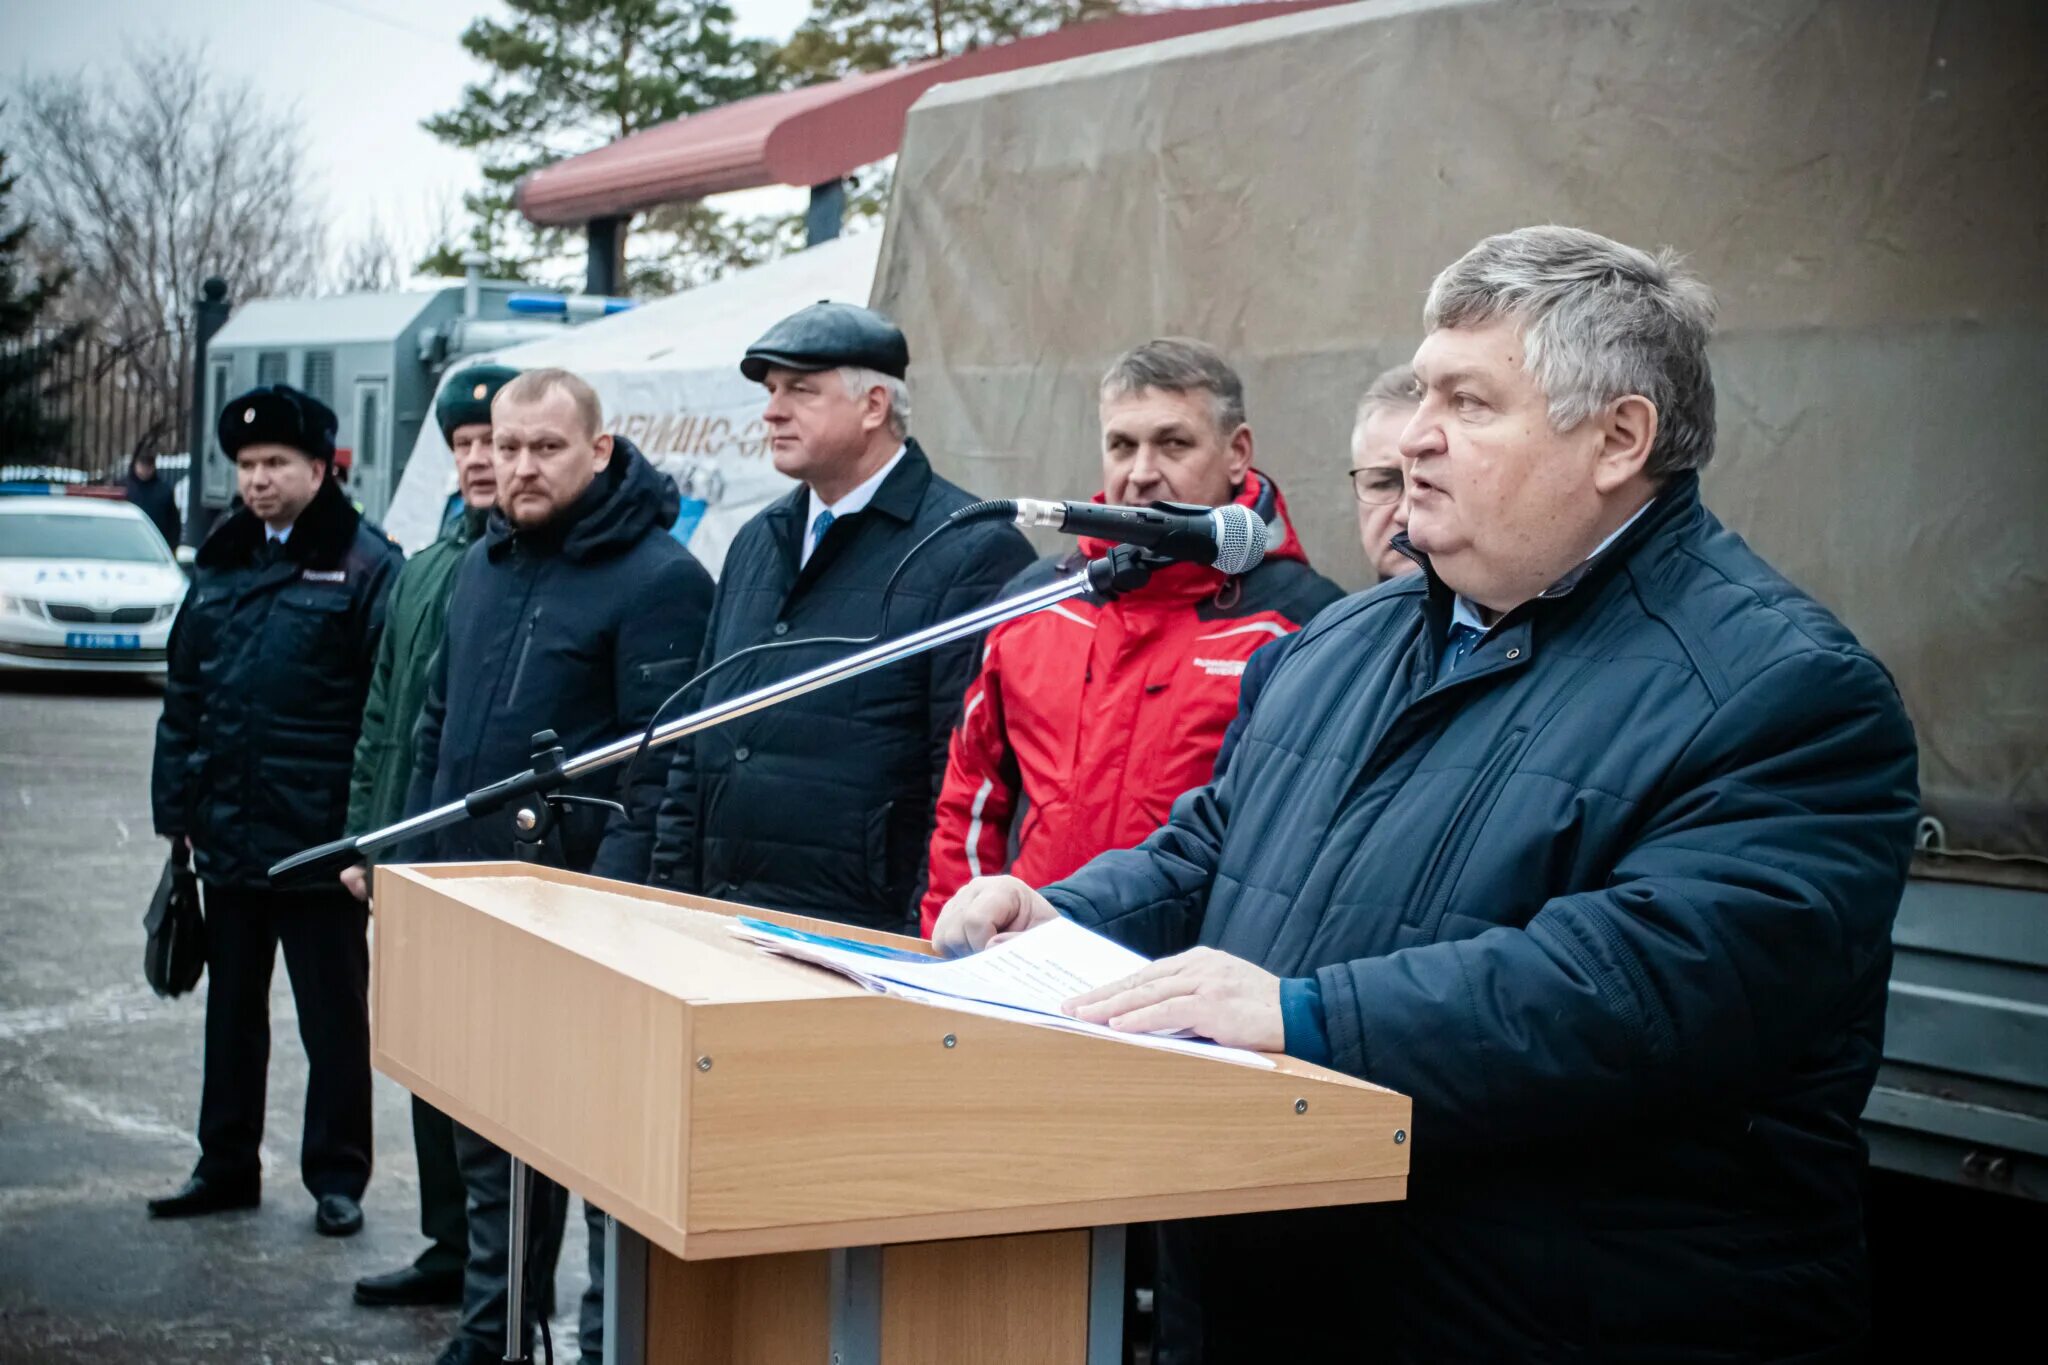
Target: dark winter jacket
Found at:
x=1088, y=719
x=1612, y=902
x=582, y=626
x=824, y=804
x=270, y=659
x=414, y=619
x=158, y=501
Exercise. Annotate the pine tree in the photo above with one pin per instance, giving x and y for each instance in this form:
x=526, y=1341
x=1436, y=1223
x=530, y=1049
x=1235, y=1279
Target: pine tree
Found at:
x=567, y=76
x=28, y=435
x=844, y=36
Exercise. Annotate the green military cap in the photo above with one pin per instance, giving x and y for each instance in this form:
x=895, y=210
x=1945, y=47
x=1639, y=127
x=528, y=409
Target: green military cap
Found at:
x=466, y=397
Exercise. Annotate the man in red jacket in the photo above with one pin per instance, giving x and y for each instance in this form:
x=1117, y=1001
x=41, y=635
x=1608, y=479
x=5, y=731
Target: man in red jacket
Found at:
x=1089, y=718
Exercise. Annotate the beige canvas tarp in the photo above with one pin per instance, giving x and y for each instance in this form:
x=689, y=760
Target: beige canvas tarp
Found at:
x=1864, y=183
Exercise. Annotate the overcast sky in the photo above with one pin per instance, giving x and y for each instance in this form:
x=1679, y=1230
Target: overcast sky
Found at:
x=362, y=72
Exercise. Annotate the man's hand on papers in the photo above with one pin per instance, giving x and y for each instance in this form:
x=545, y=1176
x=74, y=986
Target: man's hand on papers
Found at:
x=986, y=908
x=1220, y=997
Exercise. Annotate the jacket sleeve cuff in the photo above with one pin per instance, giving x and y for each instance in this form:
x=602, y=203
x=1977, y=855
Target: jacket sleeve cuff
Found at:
x=1301, y=1015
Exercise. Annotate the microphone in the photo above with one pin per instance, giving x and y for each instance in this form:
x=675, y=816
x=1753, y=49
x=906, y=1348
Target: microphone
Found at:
x=1231, y=537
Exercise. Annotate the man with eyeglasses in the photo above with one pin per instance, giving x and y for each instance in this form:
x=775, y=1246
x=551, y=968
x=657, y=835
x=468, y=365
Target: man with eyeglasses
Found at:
x=1380, y=492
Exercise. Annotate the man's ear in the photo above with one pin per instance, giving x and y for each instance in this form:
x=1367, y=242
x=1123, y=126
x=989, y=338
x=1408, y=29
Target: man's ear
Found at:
x=602, y=444
x=1628, y=429
x=1240, y=453
x=874, y=408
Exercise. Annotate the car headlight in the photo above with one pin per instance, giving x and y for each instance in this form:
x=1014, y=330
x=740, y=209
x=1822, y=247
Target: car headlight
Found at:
x=21, y=606
x=167, y=611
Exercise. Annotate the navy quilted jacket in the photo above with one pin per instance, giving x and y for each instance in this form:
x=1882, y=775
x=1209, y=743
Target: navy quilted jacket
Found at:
x=1612, y=903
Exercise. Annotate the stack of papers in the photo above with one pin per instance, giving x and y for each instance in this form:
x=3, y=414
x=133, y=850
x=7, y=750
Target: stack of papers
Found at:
x=1025, y=979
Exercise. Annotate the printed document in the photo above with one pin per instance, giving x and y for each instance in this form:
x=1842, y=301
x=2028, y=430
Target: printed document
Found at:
x=1026, y=978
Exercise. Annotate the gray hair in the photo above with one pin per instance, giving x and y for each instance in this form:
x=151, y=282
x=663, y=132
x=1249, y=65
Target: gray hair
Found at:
x=1395, y=388
x=1180, y=365
x=1598, y=321
x=859, y=379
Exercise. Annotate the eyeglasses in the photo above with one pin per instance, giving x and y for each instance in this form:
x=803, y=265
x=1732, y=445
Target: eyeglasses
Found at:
x=1377, y=485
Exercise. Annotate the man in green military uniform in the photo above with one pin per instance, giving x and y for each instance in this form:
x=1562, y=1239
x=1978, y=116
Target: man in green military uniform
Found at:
x=415, y=619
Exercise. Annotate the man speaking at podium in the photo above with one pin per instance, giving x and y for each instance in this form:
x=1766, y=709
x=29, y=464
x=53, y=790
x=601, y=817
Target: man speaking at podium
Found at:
x=1588, y=838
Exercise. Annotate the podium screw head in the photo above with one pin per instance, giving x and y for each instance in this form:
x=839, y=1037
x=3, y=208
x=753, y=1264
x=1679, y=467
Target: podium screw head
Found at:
x=525, y=819
x=950, y=1040
x=1400, y=1136
x=703, y=1063
x=1301, y=1106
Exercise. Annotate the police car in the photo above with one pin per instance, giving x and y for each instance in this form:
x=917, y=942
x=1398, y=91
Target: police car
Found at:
x=86, y=584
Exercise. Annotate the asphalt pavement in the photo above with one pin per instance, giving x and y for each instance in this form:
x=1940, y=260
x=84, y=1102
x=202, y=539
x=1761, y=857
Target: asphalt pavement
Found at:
x=99, y=1093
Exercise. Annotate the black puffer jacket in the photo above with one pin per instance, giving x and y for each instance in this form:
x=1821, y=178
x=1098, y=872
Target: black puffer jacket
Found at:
x=824, y=804
x=270, y=659
x=582, y=627
x=1613, y=904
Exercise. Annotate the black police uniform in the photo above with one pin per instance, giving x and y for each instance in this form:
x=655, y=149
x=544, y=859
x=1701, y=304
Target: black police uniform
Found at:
x=270, y=658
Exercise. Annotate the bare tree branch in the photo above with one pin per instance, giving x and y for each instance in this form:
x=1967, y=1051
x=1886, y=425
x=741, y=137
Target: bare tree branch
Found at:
x=151, y=181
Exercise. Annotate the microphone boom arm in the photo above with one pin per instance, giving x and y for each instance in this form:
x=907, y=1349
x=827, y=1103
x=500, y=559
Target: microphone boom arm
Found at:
x=1122, y=570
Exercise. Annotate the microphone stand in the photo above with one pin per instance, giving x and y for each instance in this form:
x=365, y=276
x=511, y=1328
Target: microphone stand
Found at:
x=1124, y=569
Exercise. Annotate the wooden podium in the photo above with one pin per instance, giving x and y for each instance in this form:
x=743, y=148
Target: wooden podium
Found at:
x=803, y=1171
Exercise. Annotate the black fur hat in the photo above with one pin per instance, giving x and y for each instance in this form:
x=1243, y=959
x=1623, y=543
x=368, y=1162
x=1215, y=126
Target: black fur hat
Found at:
x=279, y=414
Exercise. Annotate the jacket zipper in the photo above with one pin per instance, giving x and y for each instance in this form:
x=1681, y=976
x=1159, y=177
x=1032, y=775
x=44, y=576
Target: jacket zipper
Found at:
x=525, y=649
x=1465, y=825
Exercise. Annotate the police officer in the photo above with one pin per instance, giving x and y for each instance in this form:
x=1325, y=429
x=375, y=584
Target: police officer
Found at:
x=415, y=621
x=270, y=658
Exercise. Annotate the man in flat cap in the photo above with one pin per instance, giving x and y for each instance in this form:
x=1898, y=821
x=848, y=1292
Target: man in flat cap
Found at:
x=824, y=804
x=414, y=621
x=270, y=660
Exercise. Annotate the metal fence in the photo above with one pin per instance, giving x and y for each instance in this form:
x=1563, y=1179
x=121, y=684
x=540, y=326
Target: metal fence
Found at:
x=92, y=404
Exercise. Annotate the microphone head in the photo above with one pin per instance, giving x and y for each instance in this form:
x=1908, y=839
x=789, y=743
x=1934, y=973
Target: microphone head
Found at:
x=1240, y=538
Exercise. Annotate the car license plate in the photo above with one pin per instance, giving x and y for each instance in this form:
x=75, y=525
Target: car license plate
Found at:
x=92, y=639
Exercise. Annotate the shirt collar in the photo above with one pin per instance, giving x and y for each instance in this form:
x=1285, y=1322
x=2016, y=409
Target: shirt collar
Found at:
x=860, y=497
x=277, y=537
x=1465, y=612
x=853, y=502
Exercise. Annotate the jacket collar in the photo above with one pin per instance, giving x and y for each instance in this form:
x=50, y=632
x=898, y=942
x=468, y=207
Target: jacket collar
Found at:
x=1511, y=640
x=899, y=497
x=320, y=538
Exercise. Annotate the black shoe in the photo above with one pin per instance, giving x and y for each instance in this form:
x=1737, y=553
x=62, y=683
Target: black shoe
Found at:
x=201, y=1196
x=410, y=1287
x=463, y=1351
x=337, y=1215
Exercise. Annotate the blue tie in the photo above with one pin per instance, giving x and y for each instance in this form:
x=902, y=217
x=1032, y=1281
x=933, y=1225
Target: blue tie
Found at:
x=820, y=526
x=1458, y=648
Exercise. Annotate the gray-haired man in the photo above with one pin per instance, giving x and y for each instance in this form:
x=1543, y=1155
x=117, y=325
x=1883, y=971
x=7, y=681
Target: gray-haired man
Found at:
x=1588, y=838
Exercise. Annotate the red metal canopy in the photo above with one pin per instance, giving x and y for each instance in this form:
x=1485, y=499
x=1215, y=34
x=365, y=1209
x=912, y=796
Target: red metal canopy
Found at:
x=820, y=132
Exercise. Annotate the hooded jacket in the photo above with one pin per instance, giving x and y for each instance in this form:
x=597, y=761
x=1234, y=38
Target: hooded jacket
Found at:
x=270, y=659
x=1087, y=719
x=582, y=626
x=1612, y=903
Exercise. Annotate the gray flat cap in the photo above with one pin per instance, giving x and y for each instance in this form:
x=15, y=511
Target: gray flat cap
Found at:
x=825, y=336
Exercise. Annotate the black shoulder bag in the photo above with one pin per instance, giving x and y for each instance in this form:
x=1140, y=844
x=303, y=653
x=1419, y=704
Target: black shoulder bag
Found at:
x=174, y=956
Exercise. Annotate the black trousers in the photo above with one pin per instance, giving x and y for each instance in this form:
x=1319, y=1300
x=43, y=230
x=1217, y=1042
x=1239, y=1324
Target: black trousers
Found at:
x=443, y=1215
x=327, y=954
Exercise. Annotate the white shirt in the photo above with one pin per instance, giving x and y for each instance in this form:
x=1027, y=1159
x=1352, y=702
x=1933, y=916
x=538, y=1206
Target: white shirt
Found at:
x=276, y=537
x=1466, y=613
x=846, y=506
